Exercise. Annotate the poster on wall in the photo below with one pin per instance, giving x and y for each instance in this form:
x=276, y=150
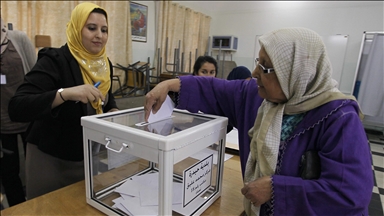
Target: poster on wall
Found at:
x=139, y=15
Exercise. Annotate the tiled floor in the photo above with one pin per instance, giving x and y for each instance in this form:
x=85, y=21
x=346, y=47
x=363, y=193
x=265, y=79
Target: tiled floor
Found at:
x=377, y=201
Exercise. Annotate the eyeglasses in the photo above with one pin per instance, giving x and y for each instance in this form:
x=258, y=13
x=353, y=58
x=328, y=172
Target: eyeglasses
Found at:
x=265, y=70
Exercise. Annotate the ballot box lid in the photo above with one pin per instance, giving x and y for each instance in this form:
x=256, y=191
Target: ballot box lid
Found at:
x=178, y=121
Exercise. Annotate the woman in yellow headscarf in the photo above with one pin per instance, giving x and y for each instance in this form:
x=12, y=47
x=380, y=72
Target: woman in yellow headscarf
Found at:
x=65, y=84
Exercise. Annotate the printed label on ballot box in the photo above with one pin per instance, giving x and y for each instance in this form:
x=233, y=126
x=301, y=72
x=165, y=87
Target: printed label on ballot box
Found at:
x=197, y=179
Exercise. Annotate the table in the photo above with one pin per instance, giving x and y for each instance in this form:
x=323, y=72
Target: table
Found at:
x=71, y=200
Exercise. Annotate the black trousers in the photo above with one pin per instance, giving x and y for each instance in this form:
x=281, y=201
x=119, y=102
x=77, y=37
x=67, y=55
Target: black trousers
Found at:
x=10, y=168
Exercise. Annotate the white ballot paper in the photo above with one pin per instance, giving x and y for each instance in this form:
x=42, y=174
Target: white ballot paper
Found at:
x=164, y=112
x=139, y=196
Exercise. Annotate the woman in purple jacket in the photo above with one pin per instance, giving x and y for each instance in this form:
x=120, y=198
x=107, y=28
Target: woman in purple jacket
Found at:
x=291, y=110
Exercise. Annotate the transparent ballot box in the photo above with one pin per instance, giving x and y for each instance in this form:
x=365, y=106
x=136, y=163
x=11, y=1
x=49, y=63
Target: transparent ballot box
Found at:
x=169, y=167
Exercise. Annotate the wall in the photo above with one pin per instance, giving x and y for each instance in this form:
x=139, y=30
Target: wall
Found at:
x=348, y=20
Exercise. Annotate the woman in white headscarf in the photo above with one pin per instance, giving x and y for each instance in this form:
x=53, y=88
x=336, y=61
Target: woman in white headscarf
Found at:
x=56, y=93
x=294, y=115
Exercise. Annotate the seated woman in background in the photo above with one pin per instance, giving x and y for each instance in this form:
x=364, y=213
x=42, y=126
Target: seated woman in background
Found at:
x=291, y=109
x=239, y=73
x=205, y=66
x=56, y=93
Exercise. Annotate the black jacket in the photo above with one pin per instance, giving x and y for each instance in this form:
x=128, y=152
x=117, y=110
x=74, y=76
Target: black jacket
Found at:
x=57, y=131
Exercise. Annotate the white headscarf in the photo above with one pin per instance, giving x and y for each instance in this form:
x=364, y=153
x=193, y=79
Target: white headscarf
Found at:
x=304, y=72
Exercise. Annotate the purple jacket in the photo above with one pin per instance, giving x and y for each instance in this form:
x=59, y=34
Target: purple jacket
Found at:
x=334, y=130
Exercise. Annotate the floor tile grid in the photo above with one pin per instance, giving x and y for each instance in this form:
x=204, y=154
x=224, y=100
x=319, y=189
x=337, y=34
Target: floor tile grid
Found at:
x=376, y=206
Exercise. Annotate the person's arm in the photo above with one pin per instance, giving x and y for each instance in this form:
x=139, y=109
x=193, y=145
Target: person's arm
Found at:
x=24, y=48
x=38, y=96
x=30, y=52
x=232, y=99
x=33, y=99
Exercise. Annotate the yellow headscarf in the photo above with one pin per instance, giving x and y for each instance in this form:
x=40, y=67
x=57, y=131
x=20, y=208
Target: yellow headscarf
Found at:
x=94, y=68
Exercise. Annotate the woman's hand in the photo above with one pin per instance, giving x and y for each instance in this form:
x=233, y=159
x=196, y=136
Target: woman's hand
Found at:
x=83, y=93
x=156, y=97
x=258, y=192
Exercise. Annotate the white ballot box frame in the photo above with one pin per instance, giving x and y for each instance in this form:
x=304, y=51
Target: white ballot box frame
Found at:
x=162, y=151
